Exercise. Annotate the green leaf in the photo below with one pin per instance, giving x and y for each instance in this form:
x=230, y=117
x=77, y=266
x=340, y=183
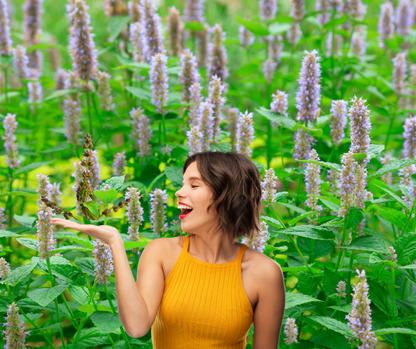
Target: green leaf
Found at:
x=32, y=316
x=310, y=231
x=336, y=22
x=330, y=165
x=395, y=217
x=255, y=28
x=376, y=92
x=89, y=308
x=174, y=174
x=294, y=299
x=143, y=66
x=346, y=308
x=277, y=118
x=306, y=283
x=402, y=330
x=272, y=221
x=18, y=193
x=278, y=28
x=405, y=247
x=332, y=324
x=132, y=244
x=375, y=150
x=159, y=176
x=73, y=237
x=93, y=207
x=298, y=218
x=292, y=207
x=330, y=281
x=60, y=93
x=330, y=339
x=25, y=220
x=20, y=273
x=383, y=187
x=33, y=166
x=29, y=243
x=280, y=195
x=116, y=25
x=328, y=202
x=197, y=26
x=86, y=264
x=359, y=156
x=80, y=294
x=367, y=243
x=390, y=167
x=106, y=196
x=106, y=322
x=44, y=295
x=410, y=266
x=139, y=92
x=355, y=216
x=115, y=183
x=7, y=234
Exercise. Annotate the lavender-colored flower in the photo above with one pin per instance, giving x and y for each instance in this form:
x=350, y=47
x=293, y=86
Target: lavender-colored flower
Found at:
x=360, y=193
x=303, y=144
x=245, y=133
x=294, y=33
x=291, y=331
x=54, y=192
x=158, y=199
x=15, y=328
x=399, y=72
x=176, y=32
x=267, y=9
x=203, y=42
x=360, y=128
x=103, y=262
x=32, y=24
x=388, y=177
x=78, y=176
x=341, y=289
x=358, y=41
x=206, y=124
x=335, y=43
x=43, y=186
x=348, y=183
x=194, y=140
x=194, y=11
x=360, y=317
x=195, y=98
x=409, y=136
x=2, y=218
x=10, y=144
x=158, y=77
x=231, y=115
x=166, y=149
x=20, y=62
x=258, y=242
x=339, y=120
x=114, y=8
x=151, y=30
x=269, y=69
x=188, y=75
x=385, y=23
x=268, y=186
x=133, y=8
x=119, y=163
x=60, y=77
x=5, y=39
x=81, y=43
x=297, y=10
x=215, y=97
x=313, y=183
x=392, y=256
x=404, y=174
x=333, y=177
x=141, y=132
x=95, y=169
x=274, y=47
x=134, y=214
x=44, y=227
x=217, y=57
x=72, y=110
x=104, y=91
x=404, y=17
x=245, y=37
x=309, y=93
x=136, y=40
x=412, y=91
x=5, y=270
x=323, y=5
x=279, y=103
x=34, y=88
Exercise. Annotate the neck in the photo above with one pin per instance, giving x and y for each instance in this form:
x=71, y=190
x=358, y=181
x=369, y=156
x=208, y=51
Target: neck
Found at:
x=216, y=250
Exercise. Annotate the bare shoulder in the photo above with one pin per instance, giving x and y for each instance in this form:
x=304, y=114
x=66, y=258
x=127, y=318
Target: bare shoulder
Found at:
x=266, y=269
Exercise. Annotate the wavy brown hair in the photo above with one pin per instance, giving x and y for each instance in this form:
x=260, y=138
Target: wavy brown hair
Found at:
x=235, y=184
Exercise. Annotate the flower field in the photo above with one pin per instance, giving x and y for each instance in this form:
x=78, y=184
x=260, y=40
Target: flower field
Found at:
x=102, y=102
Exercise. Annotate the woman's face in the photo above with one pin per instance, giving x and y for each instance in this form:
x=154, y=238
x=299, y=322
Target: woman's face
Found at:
x=196, y=194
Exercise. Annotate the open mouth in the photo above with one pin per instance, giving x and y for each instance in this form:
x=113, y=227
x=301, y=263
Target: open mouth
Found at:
x=185, y=212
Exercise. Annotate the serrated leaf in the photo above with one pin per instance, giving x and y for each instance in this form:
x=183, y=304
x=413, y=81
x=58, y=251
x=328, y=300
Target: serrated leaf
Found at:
x=330, y=339
x=33, y=166
x=139, y=92
x=390, y=167
x=32, y=316
x=277, y=118
x=359, y=156
x=89, y=308
x=280, y=195
x=395, y=217
x=330, y=281
x=298, y=218
x=255, y=28
x=116, y=25
x=44, y=295
x=69, y=248
x=73, y=237
x=375, y=150
x=7, y=234
x=105, y=321
x=294, y=299
x=278, y=28
x=93, y=207
x=310, y=231
x=115, y=182
x=405, y=247
x=355, y=216
x=306, y=283
x=29, y=243
x=174, y=174
x=367, y=243
x=392, y=194
x=106, y=196
x=333, y=324
x=25, y=220
x=272, y=221
x=394, y=330
x=20, y=273
x=86, y=264
x=80, y=294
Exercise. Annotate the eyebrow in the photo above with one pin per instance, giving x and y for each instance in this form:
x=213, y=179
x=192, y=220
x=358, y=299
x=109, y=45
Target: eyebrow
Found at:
x=193, y=178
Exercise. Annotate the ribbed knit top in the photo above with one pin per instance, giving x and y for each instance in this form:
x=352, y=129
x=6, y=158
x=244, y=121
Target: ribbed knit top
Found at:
x=204, y=305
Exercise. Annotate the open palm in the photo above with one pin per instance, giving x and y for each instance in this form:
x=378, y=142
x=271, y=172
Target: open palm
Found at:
x=106, y=233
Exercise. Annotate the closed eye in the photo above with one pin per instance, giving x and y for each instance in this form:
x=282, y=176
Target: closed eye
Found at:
x=194, y=186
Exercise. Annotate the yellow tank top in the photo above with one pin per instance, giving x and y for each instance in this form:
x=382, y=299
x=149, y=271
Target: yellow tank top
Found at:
x=204, y=305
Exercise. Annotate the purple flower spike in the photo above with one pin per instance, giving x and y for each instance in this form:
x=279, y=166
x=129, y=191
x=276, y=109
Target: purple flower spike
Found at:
x=119, y=163
x=399, y=72
x=158, y=77
x=269, y=187
x=194, y=11
x=259, y=242
x=245, y=133
x=341, y=289
x=404, y=17
x=293, y=34
x=141, y=132
x=44, y=227
x=291, y=331
x=339, y=120
x=137, y=41
x=15, y=328
x=409, y=136
x=158, y=199
x=269, y=69
x=217, y=57
x=134, y=214
x=303, y=144
x=404, y=174
x=5, y=270
x=103, y=262
x=323, y=5
x=386, y=23
x=245, y=37
x=206, y=124
x=360, y=193
x=104, y=91
x=309, y=94
x=313, y=184
x=72, y=110
x=176, y=32
x=2, y=218
x=21, y=62
x=358, y=43
x=348, y=183
x=188, y=75
x=196, y=98
x=267, y=9
x=298, y=10
x=195, y=138
x=388, y=177
x=10, y=144
x=203, y=41
x=5, y=39
x=151, y=30
x=360, y=128
x=231, y=115
x=216, y=98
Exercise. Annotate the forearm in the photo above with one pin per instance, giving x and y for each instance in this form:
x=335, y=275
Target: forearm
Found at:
x=132, y=307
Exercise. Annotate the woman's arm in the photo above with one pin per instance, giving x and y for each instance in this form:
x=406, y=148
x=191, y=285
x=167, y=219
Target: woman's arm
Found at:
x=270, y=308
x=137, y=302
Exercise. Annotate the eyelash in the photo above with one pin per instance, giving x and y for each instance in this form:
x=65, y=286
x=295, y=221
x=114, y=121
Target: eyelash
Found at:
x=194, y=186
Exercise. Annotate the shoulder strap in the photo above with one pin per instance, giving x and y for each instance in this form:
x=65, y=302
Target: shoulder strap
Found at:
x=241, y=253
x=185, y=243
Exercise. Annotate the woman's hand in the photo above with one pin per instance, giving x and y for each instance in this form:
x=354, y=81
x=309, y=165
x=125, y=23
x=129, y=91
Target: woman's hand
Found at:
x=106, y=233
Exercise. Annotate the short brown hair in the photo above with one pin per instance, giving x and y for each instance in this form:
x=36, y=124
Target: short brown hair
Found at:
x=235, y=183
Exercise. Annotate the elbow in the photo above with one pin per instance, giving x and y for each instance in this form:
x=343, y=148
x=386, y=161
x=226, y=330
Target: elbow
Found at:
x=137, y=332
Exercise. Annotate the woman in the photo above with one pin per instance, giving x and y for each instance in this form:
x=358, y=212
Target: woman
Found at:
x=202, y=290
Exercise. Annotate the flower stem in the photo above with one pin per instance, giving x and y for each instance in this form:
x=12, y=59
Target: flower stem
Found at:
x=343, y=239
x=393, y=295
x=89, y=111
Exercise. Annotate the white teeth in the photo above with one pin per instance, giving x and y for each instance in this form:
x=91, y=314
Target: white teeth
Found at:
x=184, y=206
